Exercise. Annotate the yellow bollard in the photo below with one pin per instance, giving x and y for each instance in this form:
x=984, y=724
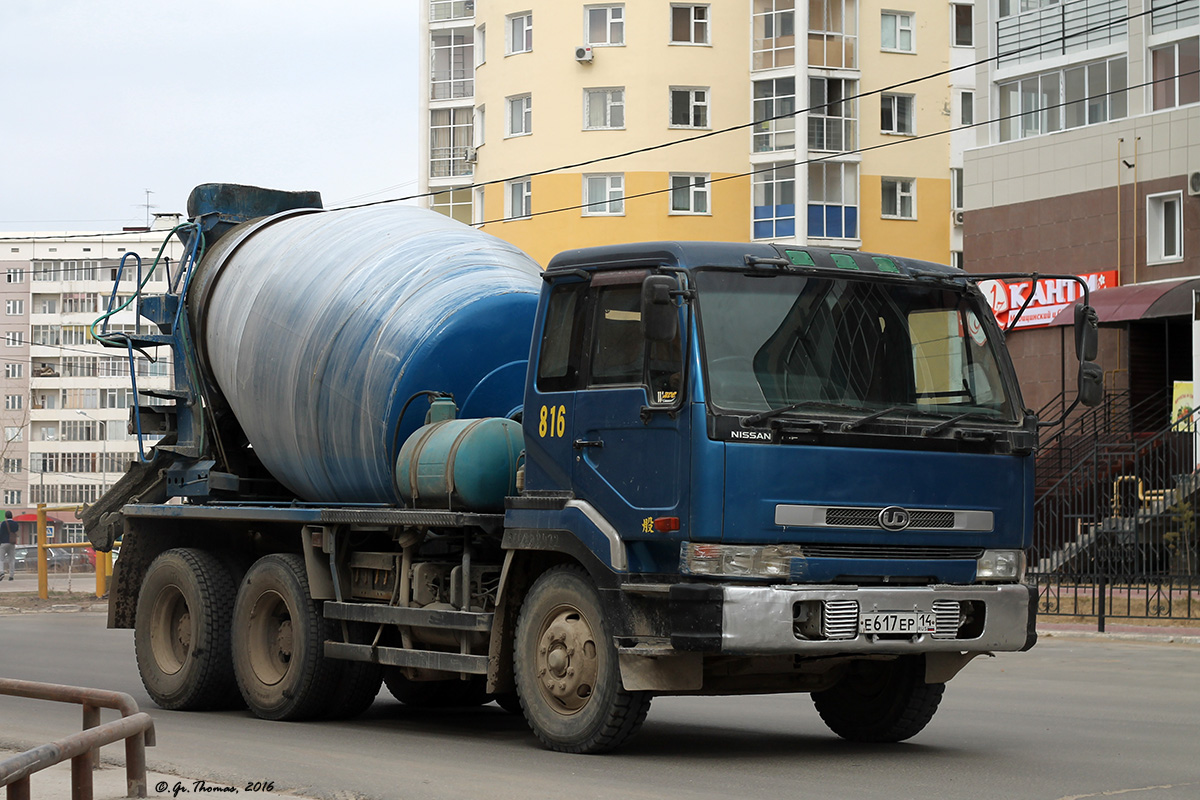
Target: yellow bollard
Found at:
x=43, y=578
x=101, y=572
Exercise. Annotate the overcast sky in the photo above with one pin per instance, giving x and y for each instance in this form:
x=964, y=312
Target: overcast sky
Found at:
x=103, y=99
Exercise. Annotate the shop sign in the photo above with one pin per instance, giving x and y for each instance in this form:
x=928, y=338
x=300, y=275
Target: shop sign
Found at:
x=1050, y=296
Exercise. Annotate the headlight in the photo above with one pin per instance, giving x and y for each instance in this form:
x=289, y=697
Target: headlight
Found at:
x=739, y=561
x=1001, y=565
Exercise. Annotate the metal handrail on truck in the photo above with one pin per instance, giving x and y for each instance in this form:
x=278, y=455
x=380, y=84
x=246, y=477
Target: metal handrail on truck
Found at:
x=135, y=727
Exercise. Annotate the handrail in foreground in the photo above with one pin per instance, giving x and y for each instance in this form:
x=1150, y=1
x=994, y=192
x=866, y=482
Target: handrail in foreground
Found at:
x=135, y=727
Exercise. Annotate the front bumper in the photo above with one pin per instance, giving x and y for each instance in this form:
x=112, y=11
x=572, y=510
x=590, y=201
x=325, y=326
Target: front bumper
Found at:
x=824, y=620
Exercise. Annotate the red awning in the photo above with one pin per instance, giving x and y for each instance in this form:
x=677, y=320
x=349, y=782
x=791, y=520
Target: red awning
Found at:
x=1153, y=300
x=33, y=518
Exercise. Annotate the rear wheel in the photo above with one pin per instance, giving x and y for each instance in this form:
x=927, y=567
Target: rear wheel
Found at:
x=880, y=701
x=566, y=668
x=278, y=642
x=181, y=631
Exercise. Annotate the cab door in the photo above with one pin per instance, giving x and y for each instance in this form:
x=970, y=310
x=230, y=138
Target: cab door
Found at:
x=631, y=455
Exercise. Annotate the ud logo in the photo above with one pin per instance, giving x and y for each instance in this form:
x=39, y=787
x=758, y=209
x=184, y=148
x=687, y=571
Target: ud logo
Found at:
x=894, y=518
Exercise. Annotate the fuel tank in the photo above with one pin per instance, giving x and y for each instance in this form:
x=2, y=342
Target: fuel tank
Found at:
x=460, y=464
x=319, y=326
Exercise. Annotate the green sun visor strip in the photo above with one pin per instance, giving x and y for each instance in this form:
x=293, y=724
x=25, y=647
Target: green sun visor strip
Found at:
x=802, y=258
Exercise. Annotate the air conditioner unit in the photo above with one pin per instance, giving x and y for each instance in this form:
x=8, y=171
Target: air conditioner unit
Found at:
x=1194, y=183
x=958, y=218
x=470, y=154
x=583, y=54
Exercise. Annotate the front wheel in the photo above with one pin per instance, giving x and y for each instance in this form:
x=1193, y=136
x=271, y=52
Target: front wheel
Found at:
x=880, y=701
x=566, y=668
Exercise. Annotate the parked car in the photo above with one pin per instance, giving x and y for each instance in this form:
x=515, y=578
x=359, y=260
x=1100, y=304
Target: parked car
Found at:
x=57, y=560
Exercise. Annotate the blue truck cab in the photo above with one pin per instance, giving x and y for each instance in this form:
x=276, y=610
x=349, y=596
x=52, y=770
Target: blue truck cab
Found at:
x=772, y=453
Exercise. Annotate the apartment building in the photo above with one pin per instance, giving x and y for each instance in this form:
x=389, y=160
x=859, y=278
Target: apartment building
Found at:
x=1090, y=165
x=547, y=121
x=66, y=396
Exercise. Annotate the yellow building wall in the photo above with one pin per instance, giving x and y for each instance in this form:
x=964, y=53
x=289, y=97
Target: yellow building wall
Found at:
x=927, y=160
x=646, y=67
x=645, y=219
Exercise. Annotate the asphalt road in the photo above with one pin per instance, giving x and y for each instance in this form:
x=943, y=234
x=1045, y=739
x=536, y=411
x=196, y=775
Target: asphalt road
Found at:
x=1071, y=719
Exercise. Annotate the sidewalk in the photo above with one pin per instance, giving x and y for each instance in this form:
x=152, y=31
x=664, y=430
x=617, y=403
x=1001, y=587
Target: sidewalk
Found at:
x=108, y=783
x=27, y=581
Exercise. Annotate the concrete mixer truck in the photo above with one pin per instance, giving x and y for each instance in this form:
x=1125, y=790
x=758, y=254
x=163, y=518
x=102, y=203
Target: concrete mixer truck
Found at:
x=399, y=452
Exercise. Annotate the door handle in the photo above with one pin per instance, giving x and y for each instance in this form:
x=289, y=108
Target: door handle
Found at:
x=579, y=444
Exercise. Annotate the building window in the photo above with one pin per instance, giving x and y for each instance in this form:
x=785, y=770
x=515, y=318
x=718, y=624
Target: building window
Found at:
x=480, y=45
x=966, y=108
x=519, y=199
x=774, y=34
x=14, y=370
x=14, y=339
x=897, y=31
x=12, y=497
x=14, y=434
x=956, y=189
x=775, y=202
x=689, y=194
x=452, y=68
x=13, y=402
x=689, y=24
x=831, y=119
x=1164, y=227
x=956, y=259
x=899, y=198
x=832, y=34
x=455, y=203
x=478, y=123
x=1084, y=95
x=520, y=115
x=833, y=200
x=963, y=22
x=451, y=9
x=520, y=33
x=896, y=114
x=689, y=107
x=603, y=109
x=12, y=465
x=605, y=26
x=450, y=136
x=480, y=208
x=14, y=308
x=774, y=98
x=15, y=275
x=603, y=195
x=1176, y=81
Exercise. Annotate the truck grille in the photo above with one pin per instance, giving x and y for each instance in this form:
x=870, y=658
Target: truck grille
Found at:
x=869, y=518
x=949, y=614
x=840, y=619
x=931, y=553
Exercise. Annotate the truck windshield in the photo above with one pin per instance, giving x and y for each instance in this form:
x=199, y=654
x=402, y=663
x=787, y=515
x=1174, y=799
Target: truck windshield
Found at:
x=804, y=344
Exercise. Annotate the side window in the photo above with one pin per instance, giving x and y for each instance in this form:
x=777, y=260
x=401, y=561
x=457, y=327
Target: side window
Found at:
x=618, y=350
x=558, y=362
x=620, y=354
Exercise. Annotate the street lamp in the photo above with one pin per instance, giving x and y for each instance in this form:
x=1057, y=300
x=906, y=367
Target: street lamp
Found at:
x=104, y=446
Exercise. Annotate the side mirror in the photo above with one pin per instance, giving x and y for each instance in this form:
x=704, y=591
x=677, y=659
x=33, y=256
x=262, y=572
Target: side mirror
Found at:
x=1086, y=334
x=660, y=318
x=1091, y=384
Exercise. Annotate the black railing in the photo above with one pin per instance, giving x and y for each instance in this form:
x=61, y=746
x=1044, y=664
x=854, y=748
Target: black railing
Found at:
x=1115, y=535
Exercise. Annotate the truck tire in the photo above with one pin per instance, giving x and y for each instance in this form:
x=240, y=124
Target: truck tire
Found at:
x=436, y=694
x=566, y=668
x=356, y=683
x=278, y=637
x=880, y=701
x=181, y=631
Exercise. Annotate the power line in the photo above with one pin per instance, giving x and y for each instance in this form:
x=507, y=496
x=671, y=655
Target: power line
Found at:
x=835, y=156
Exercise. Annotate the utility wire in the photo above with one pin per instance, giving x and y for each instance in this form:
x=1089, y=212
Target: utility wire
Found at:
x=835, y=157
x=706, y=134
x=797, y=112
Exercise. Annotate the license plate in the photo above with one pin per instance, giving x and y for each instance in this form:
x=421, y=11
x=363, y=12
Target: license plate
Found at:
x=903, y=622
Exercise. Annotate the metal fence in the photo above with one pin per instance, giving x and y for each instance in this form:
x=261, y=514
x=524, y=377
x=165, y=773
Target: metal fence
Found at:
x=1115, y=534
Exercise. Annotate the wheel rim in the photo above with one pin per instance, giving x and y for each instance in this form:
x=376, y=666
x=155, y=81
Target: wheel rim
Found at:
x=270, y=640
x=567, y=662
x=170, y=630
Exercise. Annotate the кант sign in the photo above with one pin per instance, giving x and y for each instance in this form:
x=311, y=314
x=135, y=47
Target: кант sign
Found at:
x=1050, y=296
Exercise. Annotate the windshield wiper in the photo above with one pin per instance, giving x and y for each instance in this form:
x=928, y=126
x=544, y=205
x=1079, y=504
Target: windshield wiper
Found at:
x=941, y=426
x=775, y=412
x=855, y=423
